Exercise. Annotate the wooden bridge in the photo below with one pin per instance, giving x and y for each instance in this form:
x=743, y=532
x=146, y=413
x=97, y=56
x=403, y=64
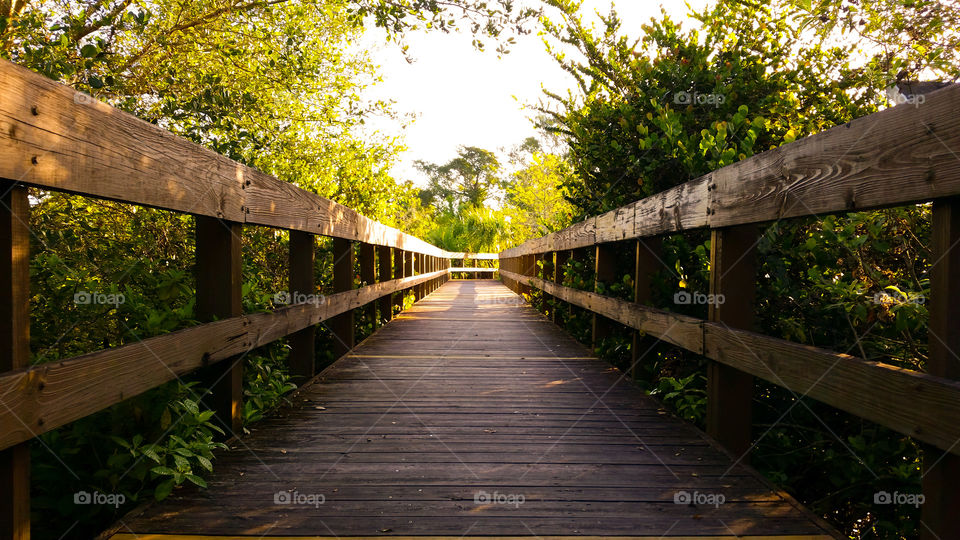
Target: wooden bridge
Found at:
x=471, y=414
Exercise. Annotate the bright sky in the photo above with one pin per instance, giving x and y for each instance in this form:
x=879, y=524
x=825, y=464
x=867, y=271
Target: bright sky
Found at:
x=464, y=97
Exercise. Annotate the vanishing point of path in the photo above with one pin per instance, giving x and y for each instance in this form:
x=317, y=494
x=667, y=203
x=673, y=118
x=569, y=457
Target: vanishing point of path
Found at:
x=472, y=415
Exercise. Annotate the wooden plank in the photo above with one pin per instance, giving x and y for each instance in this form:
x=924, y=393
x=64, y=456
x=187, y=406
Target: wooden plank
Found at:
x=604, y=271
x=342, y=326
x=14, y=350
x=219, y=281
x=674, y=328
x=898, y=156
x=368, y=276
x=399, y=258
x=729, y=390
x=385, y=273
x=846, y=168
x=941, y=470
x=302, y=343
x=585, y=465
x=913, y=403
x=646, y=263
x=55, y=138
x=910, y=402
x=40, y=398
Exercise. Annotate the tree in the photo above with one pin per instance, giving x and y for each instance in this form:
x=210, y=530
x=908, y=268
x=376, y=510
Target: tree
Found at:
x=471, y=179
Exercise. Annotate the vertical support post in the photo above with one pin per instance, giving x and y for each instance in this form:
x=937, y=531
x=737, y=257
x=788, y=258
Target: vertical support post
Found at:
x=549, y=301
x=645, y=264
x=559, y=263
x=941, y=470
x=342, y=325
x=730, y=391
x=14, y=350
x=399, y=257
x=408, y=268
x=417, y=270
x=368, y=275
x=604, y=271
x=218, y=267
x=385, y=271
x=302, y=343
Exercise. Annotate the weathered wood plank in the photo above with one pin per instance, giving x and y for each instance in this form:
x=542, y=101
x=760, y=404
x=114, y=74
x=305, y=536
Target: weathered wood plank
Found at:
x=14, y=349
x=46, y=396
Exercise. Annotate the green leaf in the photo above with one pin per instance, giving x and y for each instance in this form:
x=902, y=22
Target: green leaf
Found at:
x=163, y=490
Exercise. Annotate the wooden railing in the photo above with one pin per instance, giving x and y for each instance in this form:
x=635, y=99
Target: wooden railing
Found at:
x=55, y=139
x=896, y=157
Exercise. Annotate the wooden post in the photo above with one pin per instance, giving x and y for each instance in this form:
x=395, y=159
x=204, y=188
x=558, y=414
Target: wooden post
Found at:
x=342, y=325
x=417, y=270
x=941, y=469
x=14, y=350
x=559, y=263
x=302, y=343
x=547, y=274
x=408, y=269
x=368, y=276
x=730, y=391
x=384, y=269
x=604, y=270
x=219, y=285
x=645, y=265
x=399, y=257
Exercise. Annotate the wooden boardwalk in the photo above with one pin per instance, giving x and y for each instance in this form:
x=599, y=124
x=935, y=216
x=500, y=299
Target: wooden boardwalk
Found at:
x=472, y=415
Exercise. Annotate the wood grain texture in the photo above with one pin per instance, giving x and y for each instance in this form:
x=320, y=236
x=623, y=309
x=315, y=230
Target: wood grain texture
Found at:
x=46, y=396
x=14, y=349
x=922, y=406
x=674, y=328
x=402, y=435
x=56, y=138
x=902, y=155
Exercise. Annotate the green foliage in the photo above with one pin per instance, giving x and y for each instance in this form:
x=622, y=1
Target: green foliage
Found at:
x=687, y=396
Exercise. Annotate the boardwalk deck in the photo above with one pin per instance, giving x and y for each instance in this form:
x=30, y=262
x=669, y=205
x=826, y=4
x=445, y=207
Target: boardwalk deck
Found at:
x=471, y=394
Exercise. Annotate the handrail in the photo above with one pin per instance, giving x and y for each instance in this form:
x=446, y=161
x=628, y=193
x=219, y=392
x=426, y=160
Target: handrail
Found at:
x=899, y=156
x=55, y=138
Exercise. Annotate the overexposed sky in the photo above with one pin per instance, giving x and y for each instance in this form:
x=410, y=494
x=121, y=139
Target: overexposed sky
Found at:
x=461, y=96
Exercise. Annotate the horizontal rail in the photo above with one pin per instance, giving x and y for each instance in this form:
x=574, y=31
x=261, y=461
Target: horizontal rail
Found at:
x=55, y=138
x=842, y=169
x=916, y=404
x=46, y=396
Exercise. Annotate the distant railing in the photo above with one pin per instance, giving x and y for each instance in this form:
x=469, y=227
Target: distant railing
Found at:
x=52, y=139
x=896, y=157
